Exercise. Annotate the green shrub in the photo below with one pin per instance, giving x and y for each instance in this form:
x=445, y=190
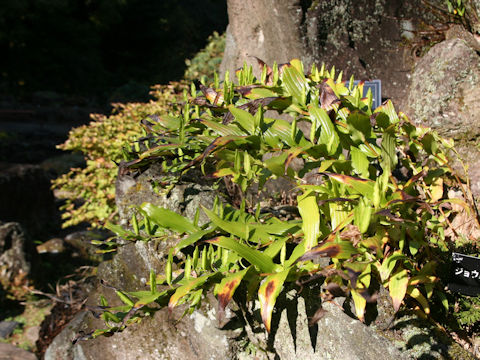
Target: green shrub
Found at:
x=368, y=191
x=90, y=191
x=207, y=61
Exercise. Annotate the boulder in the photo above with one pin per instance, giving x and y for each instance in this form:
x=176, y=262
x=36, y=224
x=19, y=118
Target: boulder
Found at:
x=155, y=338
x=339, y=335
x=160, y=336
x=10, y=352
x=184, y=198
x=445, y=90
x=444, y=95
x=7, y=327
x=13, y=253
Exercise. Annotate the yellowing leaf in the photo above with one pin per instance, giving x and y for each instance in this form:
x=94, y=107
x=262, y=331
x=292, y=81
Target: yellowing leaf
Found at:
x=363, y=187
x=268, y=293
x=227, y=287
x=308, y=208
x=436, y=189
x=337, y=250
x=397, y=286
x=360, y=304
x=417, y=295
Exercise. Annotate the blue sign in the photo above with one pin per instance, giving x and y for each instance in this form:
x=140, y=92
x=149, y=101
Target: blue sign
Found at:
x=376, y=87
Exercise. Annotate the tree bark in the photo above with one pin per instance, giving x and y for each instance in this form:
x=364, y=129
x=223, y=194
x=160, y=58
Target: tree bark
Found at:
x=370, y=39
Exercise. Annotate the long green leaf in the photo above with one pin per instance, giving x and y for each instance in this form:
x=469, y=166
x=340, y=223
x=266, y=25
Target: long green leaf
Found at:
x=191, y=239
x=360, y=162
x=236, y=228
x=147, y=297
x=389, y=156
x=243, y=118
x=295, y=84
x=168, y=219
x=276, y=164
x=220, y=129
x=185, y=289
x=328, y=134
x=362, y=215
x=363, y=187
x=254, y=257
x=278, y=227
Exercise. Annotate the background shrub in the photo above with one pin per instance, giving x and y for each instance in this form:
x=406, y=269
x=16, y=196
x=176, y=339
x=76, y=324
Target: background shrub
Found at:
x=89, y=192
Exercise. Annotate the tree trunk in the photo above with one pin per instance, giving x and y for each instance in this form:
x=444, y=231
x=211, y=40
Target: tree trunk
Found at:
x=370, y=39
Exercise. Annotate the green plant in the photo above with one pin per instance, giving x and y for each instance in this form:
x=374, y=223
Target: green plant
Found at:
x=367, y=186
x=464, y=12
x=90, y=191
x=207, y=61
x=456, y=7
x=468, y=312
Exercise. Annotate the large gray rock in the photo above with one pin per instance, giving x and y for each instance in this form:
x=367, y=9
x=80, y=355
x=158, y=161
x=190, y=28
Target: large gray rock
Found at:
x=444, y=95
x=155, y=338
x=10, y=352
x=445, y=90
x=336, y=336
x=184, y=198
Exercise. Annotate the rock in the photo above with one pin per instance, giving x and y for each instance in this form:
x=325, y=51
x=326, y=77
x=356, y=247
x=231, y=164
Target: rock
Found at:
x=445, y=90
x=61, y=347
x=130, y=267
x=184, y=198
x=338, y=335
x=81, y=242
x=52, y=246
x=10, y=352
x=26, y=197
x=31, y=334
x=155, y=338
x=444, y=95
x=420, y=339
x=335, y=336
x=13, y=252
x=7, y=327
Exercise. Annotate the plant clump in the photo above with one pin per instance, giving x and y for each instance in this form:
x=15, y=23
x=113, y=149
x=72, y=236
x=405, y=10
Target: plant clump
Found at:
x=369, y=192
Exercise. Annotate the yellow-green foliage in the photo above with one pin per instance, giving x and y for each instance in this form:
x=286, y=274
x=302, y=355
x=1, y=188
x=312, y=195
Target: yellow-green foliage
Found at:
x=90, y=191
